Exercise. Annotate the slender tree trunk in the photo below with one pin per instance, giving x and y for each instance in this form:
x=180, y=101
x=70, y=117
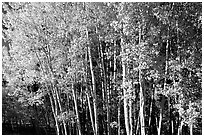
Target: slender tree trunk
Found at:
x=94, y=89
x=165, y=85
x=150, y=113
x=130, y=106
x=90, y=113
x=135, y=117
x=60, y=108
x=114, y=65
x=70, y=128
x=68, y=110
x=54, y=114
x=76, y=110
x=119, y=118
x=156, y=119
x=141, y=106
x=94, y=92
x=191, y=128
x=172, y=126
x=180, y=128
x=130, y=116
x=54, y=88
x=169, y=110
x=105, y=87
x=55, y=107
x=108, y=86
x=53, y=104
x=160, y=121
x=125, y=100
x=138, y=122
x=142, y=122
x=88, y=95
x=161, y=114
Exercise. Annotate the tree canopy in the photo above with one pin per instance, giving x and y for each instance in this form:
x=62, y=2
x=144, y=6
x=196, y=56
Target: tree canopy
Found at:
x=102, y=68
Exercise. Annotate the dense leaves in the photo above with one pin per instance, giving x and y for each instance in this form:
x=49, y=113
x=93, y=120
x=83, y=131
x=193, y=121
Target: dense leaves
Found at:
x=102, y=68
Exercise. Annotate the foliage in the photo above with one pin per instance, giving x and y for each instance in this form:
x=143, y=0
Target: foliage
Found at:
x=48, y=70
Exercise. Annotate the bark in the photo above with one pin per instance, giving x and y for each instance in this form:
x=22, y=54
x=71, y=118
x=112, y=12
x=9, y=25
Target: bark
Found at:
x=94, y=89
x=169, y=110
x=109, y=90
x=141, y=106
x=191, y=128
x=172, y=127
x=119, y=118
x=165, y=85
x=54, y=88
x=76, y=110
x=160, y=122
x=114, y=64
x=53, y=104
x=152, y=98
x=130, y=116
x=60, y=108
x=125, y=100
x=138, y=122
x=88, y=97
x=90, y=112
x=141, y=92
x=70, y=128
x=54, y=114
x=161, y=114
x=105, y=87
x=180, y=128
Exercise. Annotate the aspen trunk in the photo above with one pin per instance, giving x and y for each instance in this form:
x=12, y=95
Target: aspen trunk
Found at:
x=76, y=110
x=54, y=87
x=101, y=65
x=125, y=100
x=180, y=128
x=88, y=97
x=172, y=127
x=108, y=81
x=169, y=110
x=54, y=91
x=94, y=92
x=60, y=108
x=94, y=89
x=70, y=128
x=119, y=118
x=165, y=84
x=54, y=114
x=160, y=121
x=114, y=82
x=138, y=122
x=53, y=104
x=150, y=113
x=109, y=91
x=90, y=113
x=114, y=64
x=130, y=116
x=141, y=106
x=142, y=122
x=191, y=128
x=105, y=88
x=161, y=114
